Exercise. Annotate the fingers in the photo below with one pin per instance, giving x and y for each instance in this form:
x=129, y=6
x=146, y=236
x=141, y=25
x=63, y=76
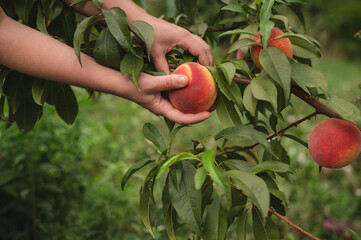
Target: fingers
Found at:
x=184, y=118
x=197, y=47
x=156, y=84
x=160, y=63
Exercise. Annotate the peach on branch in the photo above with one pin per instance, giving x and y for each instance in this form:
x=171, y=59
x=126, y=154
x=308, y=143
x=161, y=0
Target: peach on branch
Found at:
x=200, y=93
x=283, y=44
x=335, y=143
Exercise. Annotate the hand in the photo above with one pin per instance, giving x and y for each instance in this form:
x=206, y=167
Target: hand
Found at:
x=167, y=36
x=150, y=98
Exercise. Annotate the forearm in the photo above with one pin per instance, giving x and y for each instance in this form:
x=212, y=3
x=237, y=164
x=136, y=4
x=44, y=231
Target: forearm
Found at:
x=31, y=52
x=133, y=11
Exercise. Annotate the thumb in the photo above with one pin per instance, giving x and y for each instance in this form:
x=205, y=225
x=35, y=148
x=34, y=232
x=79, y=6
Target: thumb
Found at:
x=166, y=82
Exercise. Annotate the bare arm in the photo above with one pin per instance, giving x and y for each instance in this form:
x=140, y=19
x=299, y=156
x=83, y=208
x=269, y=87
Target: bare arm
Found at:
x=29, y=51
x=166, y=35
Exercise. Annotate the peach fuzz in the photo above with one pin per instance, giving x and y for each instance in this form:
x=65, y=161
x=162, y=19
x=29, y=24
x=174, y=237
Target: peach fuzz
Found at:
x=335, y=143
x=283, y=44
x=200, y=93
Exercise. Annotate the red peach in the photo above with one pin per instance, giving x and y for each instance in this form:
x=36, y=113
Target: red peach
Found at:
x=240, y=54
x=200, y=93
x=335, y=143
x=283, y=44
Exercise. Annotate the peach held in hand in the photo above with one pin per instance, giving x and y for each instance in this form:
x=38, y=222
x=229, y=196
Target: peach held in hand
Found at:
x=200, y=93
x=335, y=143
x=283, y=44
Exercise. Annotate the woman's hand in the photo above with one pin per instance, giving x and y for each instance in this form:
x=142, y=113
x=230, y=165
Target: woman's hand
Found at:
x=168, y=35
x=149, y=96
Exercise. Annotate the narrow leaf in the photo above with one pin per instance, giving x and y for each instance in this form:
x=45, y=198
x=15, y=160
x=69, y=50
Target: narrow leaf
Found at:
x=79, y=34
x=106, y=51
x=278, y=67
x=226, y=112
x=145, y=197
x=116, y=20
x=273, y=166
x=264, y=89
x=216, y=221
x=237, y=31
x=151, y=133
x=187, y=199
x=133, y=169
x=242, y=226
x=208, y=158
x=229, y=71
x=255, y=188
x=234, y=8
x=145, y=32
x=245, y=132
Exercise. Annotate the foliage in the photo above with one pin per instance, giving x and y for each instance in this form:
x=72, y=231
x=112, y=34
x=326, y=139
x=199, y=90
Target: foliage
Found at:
x=227, y=180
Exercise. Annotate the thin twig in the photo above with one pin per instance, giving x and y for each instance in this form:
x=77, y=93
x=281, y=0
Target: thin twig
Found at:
x=270, y=137
x=274, y=212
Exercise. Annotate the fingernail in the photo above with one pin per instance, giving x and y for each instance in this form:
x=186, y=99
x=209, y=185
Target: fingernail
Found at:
x=183, y=81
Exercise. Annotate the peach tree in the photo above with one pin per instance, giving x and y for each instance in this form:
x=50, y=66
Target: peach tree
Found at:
x=225, y=179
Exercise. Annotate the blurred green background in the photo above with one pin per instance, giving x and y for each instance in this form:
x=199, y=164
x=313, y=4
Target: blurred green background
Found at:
x=63, y=182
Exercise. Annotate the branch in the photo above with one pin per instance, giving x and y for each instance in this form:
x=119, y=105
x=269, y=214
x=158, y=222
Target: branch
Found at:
x=273, y=211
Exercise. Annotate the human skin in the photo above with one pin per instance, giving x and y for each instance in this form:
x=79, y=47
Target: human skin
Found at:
x=335, y=143
x=283, y=44
x=200, y=93
x=31, y=52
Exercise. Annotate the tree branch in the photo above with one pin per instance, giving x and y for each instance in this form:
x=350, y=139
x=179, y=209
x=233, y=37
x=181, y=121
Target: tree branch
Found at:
x=274, y=212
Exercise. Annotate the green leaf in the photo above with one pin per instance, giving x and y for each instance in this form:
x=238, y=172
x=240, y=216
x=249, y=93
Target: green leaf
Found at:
x=241, y=43
x=40, y=91
x=79, y=34
x=106, y=51
x=169, y=162
x=254, y=186
x=145, y=32
x=234, y=164
x=216, y=221
x=306, y=76
x=151, y=133
x=234, y=8
x=294, y=138
x=276, y=64
x=168, y=211
x=145, y=197
x=116, y=20
x=226, y=112
x=265, y=24
x=132, y=65
x=40, y=21
x=263, y=230
x=273, y=166
x=200, y=177
x=187, y=199
x=249, y=101
x=242, y=226
x=278, y=194
x=66, y=104
x=355, y=234
x=232, y=92
x=237, y=31
x=229, y=71
x=245, y=132
x=264, y=89
x=27, y=114
x=133, y=169
x=241, y=65
x=69, y=25
x=346, y=109
x=208, y=158
x=282, y=19
x=75, y=2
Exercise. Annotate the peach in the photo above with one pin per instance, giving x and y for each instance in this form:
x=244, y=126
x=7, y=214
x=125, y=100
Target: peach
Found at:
x=240, y=54
x=200, y=93
x=283, y=44
x=335, y=143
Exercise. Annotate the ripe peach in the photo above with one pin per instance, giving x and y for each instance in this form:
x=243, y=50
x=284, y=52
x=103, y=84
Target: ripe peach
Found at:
x=200, y=93
x=283, y=44
x=335, y=143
